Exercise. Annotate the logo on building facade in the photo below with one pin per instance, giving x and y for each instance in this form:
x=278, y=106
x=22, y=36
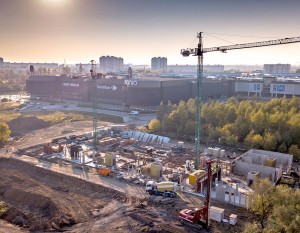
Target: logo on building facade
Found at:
x=70, y=84
x=105, y=87
x=129, y=82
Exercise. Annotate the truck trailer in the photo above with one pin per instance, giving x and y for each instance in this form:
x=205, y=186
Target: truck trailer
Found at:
x=165, y=188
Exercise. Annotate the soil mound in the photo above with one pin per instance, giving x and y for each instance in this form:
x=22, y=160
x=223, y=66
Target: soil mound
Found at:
x=25, y=124
x=11, y=214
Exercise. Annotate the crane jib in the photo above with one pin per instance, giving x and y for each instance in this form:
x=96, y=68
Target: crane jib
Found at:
x=253, y=45
x=194, y=51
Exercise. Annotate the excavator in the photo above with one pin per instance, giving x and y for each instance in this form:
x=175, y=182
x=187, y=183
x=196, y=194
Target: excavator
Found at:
x=193, y=217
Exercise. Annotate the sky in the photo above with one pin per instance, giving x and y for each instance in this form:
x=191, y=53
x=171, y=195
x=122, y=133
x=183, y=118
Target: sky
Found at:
x=78, y=31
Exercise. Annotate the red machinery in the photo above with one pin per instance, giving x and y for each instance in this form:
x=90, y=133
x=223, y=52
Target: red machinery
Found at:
x=196, y=216
x=199, y=216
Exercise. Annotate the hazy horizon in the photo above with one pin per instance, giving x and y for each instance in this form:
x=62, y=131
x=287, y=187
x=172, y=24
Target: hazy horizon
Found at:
x=78, y=31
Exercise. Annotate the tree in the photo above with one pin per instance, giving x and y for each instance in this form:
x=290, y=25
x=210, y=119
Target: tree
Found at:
x=277, y=121
x=254, y=140
x=162, y=111
x=258, y=121
x=191, y=108
x=260, y=201
x=294, y=123
x=274, y=125
x=283, y=213
x=241, y=128
x=285, y=216
x=180, y=116
x=4, y=132
x=190, y=128
x=252, y=228
x=282, y=148
x=227, y=136
x=168, y=124
x=230, y=116
x=295, y=151
x=270, y=142
x=154, y=125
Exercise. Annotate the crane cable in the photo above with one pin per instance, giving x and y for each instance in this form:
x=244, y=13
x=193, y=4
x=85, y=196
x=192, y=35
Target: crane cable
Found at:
x=222, y=34
x=219, y=38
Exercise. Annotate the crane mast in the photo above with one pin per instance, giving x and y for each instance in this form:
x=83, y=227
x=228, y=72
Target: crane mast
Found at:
x=95, y=133
x=199, y=51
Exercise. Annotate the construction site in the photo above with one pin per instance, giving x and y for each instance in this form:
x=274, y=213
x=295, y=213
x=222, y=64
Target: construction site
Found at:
x=63, y=185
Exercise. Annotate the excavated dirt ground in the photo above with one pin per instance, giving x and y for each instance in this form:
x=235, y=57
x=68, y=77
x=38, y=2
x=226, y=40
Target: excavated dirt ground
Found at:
x=40, y=200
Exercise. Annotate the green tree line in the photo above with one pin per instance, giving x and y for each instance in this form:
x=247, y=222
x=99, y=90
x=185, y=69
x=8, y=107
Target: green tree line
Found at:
x=273, y=125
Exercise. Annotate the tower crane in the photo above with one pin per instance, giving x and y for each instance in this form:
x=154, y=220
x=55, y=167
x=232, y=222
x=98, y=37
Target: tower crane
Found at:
x=95, y=133
x=199, y=52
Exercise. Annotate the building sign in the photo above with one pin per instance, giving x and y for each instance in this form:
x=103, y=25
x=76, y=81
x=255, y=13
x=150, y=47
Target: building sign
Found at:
x=130, y=82
x=70, y=84
x=105, y=87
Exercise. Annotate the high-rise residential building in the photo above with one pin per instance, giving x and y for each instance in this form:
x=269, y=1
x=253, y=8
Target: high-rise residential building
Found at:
x=277, y=68
x=159, y=64
x=111, y=64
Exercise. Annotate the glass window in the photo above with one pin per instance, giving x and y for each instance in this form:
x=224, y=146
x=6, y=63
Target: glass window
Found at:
x=256, y=87
x=281, y=88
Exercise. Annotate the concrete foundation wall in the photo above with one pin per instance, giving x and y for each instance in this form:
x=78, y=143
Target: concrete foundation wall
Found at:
x=284, y=159
x=227, y=194
x=265, y=172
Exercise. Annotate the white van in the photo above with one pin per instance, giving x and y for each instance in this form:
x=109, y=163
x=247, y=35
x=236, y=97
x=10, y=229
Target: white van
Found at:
x=134, y=113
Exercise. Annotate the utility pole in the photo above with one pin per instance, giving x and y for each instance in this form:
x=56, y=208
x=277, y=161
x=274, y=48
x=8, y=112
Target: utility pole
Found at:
x=94, y=86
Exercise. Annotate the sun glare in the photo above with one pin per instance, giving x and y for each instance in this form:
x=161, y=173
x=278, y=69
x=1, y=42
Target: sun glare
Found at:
x=54, y=1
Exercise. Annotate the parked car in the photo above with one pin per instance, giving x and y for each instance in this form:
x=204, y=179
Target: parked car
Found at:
x=134, y=113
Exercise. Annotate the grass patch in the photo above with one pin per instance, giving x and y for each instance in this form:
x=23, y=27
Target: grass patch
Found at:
x=7, y=114
x=59, y=117
x=9, y=106
x=6, y=111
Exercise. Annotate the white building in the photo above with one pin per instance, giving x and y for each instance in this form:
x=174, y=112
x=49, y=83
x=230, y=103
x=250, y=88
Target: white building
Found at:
x=248, y=87
x=271, y=87
x=111, y=64
x=277, y=68
x=159, y=64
